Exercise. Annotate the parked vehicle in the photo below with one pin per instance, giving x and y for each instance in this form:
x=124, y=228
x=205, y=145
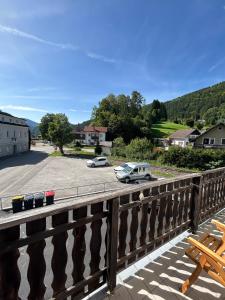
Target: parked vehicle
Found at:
x=98, y=161
x=134, y=171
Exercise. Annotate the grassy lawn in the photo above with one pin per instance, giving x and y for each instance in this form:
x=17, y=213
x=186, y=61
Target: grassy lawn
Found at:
x=164, y=129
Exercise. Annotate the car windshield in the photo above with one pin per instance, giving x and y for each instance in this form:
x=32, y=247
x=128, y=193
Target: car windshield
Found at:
x=124, y=165
x=127, y=169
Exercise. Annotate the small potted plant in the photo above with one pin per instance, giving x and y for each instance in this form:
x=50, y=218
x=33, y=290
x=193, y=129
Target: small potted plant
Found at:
x=17, y=204
x=28, y=202
x=39, y=199
x=49, y=196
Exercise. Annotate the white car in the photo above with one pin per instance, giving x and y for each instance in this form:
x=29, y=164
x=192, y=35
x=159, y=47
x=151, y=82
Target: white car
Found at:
x=97, y=162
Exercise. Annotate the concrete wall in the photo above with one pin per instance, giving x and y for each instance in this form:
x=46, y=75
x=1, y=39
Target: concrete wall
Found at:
x=14, y=136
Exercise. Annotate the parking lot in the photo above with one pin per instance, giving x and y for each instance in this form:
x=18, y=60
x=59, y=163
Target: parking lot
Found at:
x=36, y=171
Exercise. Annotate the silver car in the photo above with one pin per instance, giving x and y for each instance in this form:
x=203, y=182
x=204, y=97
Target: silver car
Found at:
x=134, y=171
x=97, y=162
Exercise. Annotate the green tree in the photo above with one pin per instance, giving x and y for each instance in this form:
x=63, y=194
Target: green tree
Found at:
x=190, y=123
x=59, y=131
x=119, y=147
x=44, y=125
x=139, y=149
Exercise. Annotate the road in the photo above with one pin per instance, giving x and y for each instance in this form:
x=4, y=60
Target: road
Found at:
x=36, y=171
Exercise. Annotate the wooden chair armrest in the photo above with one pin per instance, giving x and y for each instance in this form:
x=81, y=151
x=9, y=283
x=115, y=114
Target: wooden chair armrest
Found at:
x=219, y=225
x=207, y=251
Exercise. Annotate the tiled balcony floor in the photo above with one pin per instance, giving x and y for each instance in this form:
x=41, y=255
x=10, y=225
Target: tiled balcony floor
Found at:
x=160, y=275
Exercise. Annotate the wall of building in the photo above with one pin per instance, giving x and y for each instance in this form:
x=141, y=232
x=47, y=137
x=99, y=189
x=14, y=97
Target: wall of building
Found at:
x=14, y=135
x=180, y=142
x=217, y=133
x=89, y=137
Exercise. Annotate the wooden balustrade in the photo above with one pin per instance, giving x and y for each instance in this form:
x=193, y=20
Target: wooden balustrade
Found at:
x=107, y=233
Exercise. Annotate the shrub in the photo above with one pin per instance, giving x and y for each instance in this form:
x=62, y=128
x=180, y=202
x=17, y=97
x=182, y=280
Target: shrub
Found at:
x=119, y=147
x=77, y=148
x=139, y=149
x=202, y=159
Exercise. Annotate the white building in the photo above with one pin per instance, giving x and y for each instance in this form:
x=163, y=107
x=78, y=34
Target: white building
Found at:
x=184, y=137
x=90, y=135
x=14, y=135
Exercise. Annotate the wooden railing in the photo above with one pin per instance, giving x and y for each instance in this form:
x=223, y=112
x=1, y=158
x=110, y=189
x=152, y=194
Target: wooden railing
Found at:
x=68, y=250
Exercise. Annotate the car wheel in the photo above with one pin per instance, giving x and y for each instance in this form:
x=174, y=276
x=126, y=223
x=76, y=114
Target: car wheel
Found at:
x=127, y=179
x=106, y=164
x=92, y=165
x=148, y=177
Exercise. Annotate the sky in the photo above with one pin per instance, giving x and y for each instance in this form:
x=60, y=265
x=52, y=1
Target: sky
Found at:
x=66, y=55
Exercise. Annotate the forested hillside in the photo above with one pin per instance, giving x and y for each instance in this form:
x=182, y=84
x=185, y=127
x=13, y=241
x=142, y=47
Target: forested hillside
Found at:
x=208, y=104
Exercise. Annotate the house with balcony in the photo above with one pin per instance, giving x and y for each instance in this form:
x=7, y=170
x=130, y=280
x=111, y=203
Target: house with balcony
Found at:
x=183, y=137
x=14, y=135
x=214, y=137
x=90, y=135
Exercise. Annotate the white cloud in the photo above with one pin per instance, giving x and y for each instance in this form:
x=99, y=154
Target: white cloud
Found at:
x=22, y=34
x=220, y=62
x=62, y=46
x=39, y=89
x=22, y=108
x=82, y=111
x=101, y=57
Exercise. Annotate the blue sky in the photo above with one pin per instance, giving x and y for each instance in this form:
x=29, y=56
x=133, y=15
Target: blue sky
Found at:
x=66, y=55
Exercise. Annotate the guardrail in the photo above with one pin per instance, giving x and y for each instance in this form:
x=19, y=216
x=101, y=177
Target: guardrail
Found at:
x=71, y=192
x=69, y=250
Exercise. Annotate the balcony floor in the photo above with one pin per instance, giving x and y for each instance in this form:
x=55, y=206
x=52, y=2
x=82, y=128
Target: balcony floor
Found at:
x=159, y=275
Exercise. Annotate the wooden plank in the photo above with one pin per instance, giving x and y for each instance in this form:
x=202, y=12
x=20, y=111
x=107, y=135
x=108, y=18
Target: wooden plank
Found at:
x=79, y=249
x=143, y=226
x=134, y=224
x=9, y=272
x=37, y=265
x=195, y=203
x=161, y=214
x=123, y=227
x=59, y=258
x=153, y=217
x=112, y=243
x=95, y=245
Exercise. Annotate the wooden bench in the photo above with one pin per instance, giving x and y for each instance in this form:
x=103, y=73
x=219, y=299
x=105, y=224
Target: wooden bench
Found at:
x=208, y=254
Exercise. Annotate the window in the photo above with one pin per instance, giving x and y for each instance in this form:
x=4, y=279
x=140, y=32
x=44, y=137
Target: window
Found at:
x=209, y=141
x=206, y=141
x=135, y=170
x=223, y=141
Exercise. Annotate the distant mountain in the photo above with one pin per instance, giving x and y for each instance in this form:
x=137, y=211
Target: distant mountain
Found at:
x=80, y=126
x=196, y=104
x=34, y=128
x=31, y=123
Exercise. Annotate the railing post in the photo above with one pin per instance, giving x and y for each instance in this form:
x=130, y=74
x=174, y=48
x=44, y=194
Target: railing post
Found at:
x=196, y=195
x=112, y=243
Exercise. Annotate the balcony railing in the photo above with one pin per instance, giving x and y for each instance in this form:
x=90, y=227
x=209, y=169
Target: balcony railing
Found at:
x=73, y=248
